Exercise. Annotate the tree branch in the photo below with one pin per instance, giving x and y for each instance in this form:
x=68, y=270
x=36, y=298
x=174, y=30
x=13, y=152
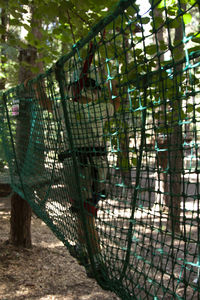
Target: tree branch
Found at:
x=71, y=27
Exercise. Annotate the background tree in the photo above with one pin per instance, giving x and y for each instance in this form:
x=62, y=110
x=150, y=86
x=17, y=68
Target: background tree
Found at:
x=4, y=27
x=170, y=133
x=20, y=229
x=3, y=30
x=162, y=177
x=176, y=140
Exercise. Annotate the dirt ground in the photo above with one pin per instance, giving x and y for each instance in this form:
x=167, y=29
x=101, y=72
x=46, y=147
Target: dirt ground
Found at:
x=47, y=271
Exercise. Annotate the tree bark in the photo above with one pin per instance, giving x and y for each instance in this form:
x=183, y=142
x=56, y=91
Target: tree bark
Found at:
x=176, y=141
x=20, y=221
x=123, y=157
x=162, y=184
x=171, y=161
x=4, y=24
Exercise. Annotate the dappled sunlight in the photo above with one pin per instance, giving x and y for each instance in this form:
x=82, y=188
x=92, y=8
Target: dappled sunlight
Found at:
x=51, y=245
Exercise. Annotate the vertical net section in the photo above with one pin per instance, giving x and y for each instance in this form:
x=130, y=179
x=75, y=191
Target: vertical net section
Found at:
x=33, y=137
x=74, y=154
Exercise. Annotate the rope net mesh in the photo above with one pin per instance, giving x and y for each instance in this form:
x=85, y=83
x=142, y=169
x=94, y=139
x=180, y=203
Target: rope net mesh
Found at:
x=71, y=149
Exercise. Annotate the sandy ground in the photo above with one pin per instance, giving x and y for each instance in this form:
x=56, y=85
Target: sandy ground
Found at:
x=47, y=271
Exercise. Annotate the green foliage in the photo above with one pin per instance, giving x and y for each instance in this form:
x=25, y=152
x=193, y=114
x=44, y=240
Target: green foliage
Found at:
x=61, y=21
x=187, y=18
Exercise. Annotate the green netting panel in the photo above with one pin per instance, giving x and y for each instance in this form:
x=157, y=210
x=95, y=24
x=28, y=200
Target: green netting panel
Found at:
x=140, y=162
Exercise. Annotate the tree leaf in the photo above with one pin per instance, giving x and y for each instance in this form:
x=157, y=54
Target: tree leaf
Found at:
x=145, y=20
x=187, y=18
x=134, y=161
x=151, y=49
x=173, y=23
x=158, y=21
x=15, y=22
x=189, y=108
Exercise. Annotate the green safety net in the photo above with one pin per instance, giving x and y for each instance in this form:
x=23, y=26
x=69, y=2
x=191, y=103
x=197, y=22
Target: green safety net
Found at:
x=70, y=147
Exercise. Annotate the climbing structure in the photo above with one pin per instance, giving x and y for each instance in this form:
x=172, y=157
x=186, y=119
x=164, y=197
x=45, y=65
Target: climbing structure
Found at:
x=148, y=216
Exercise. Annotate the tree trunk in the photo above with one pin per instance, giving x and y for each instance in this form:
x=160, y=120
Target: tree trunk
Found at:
x=176, y=141
x=20, y=229
x=170, y=182
x=20, y=222
x=4, y=24
x=162, y=184
x=175, y=163
x=123, y=157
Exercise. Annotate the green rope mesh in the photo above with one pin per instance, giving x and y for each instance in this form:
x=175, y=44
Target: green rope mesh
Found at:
x=141, y=162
